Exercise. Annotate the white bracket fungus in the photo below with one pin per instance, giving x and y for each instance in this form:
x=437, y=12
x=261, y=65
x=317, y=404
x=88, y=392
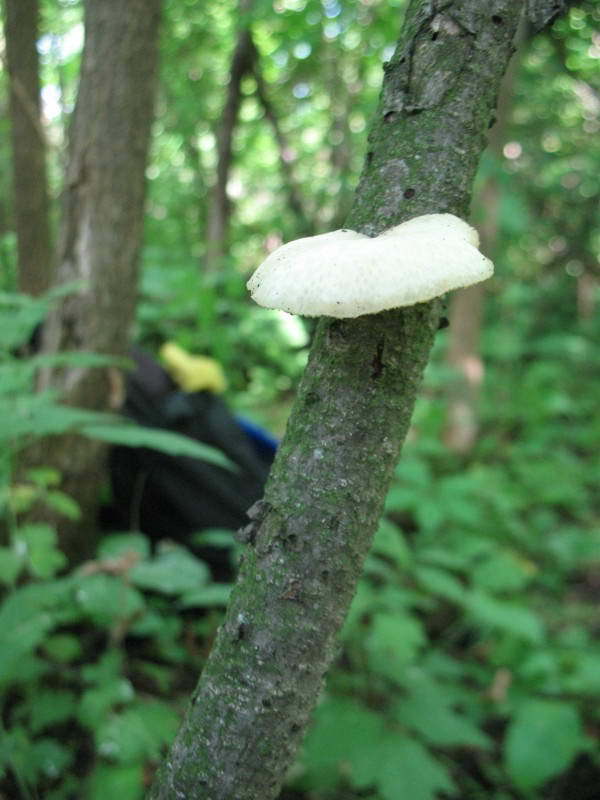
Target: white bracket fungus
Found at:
x=347, y=274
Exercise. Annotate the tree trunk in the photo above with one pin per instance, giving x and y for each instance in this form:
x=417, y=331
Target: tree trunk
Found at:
x=326, y=492
x=102, y=217
x=220, y=206
x=292, y=189
x=30, y=187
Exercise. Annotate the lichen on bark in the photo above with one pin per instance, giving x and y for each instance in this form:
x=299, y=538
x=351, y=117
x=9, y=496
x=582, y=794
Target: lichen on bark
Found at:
x=352, y=412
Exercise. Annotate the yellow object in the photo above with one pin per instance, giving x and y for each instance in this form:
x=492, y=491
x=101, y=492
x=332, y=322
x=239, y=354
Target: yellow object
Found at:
x=192, y=373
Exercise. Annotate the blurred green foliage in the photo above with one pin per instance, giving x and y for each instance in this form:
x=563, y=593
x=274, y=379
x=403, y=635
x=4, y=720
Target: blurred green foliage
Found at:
x=472, y=644
x=470, y=661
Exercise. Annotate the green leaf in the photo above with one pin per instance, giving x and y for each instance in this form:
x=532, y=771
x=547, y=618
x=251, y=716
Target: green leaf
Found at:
x=11, y=564
x=217, y=594
x=78, y=359
x=506, y=616
x=427, y=709
x=63, y=647
x=411, y=771
x=168, y=442
x=108, y=599
x=393, y=642
x=214, y=537
x=39, y=415
x=97, y=702
x=503, y=572
x=119, y=544
x=440, y=582
x=49, y=707
x=40, y=544
x=542, y=740
x=116, y=780
x=400, y=767
x=43, y=476
x=15, y=753
x=64, y=504
x=389, y=542
x=138, y=733
x=342, y=729
x=19, y=638
x=173, y=571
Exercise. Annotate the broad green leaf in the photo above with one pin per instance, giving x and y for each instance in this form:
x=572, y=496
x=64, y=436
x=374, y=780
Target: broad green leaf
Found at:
x=342, y=729
x=214, y=537
x=19, y=636
x=78, y=359
x=64, y=504
x=583, y=675
x=505, y=615
x=389, y=542
x=173, y=571
x=48, y=707
x=410, y=772
x=51, y=759
x=63, y=647
x=96, y=703
x=168, y=442
x=216, y=594
x=118, y=544
x=11, y=564
x=426, y=709
x=39, y=542
x=394, y=640
x=401, y=769
x=15, y=753
x=43, y=476
x=440, y=582
x=542, y=740
x=108, y=599
x=503, y=572
x=138, y=733
x=123, y=781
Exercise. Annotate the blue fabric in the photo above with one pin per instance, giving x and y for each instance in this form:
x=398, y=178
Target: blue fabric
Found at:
x=264, y=442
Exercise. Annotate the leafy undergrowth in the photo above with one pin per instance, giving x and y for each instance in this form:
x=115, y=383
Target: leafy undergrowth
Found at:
x=470, y=660
x=96, y=666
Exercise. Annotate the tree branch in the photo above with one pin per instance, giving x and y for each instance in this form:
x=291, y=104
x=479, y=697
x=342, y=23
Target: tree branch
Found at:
x=30, y=184
x=326, y=492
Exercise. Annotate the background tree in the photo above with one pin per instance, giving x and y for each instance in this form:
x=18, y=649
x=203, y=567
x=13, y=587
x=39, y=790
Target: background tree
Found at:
x=31, y=203
x=101, y=226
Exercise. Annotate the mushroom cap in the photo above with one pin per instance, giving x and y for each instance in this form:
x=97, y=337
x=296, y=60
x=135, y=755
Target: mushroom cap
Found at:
x=347, y=274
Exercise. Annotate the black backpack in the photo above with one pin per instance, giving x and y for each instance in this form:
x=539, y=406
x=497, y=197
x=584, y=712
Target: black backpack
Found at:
x=171, y=497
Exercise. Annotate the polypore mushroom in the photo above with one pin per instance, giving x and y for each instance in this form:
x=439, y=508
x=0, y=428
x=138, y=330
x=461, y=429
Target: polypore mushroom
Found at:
x=347, y=274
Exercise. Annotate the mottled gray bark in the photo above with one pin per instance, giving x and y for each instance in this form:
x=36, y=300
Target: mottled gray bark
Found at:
x=102, y=219
x=541, y=13
x=30, y=187
x=323, y=501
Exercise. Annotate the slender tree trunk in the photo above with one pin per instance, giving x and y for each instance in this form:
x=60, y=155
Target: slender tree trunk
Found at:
x=292, y=188
x=30, y=187
x=220, y=205
x=467, y=306
x=587, y=289
x=102, y=216
x=326, y=492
